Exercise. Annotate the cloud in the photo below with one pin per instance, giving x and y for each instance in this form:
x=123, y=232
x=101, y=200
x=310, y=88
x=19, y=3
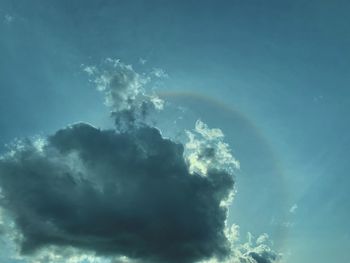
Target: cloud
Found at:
x=8, y=19
x=126, y=194
x=207, y=150
x=124, y=91
x=115, y=194
x=142, y=61
x=255, y=250
x=293, y=209
x=159, y=73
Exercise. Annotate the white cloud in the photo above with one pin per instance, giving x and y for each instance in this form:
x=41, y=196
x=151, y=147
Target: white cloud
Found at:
x=124, y=89
x=142, y=61
x=159, y=73
x=8, y=19
x=90, y=70
x=253, y=250
x=293, y=208
x=206, y=150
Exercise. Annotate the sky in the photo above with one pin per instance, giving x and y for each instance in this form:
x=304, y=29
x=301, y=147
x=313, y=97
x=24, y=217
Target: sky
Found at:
x=271, y=75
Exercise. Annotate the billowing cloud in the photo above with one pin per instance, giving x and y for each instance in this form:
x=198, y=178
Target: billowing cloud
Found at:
x=115, y=193
x=127, y=194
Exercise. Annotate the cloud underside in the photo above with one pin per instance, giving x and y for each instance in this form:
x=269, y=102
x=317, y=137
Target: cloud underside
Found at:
x=115, y=194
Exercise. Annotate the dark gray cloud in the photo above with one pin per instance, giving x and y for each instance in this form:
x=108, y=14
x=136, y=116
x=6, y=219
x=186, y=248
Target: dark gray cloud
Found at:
x=126, y=194
x=263, y=257
x=115, y=194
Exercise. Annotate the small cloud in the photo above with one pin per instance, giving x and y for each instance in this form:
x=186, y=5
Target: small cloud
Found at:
x=318, y=98
x=262, y=239
x=157, y=102
x=8, y=19
x=159, y=73
x=142, y=61
x=293, y=209
x=90, y=70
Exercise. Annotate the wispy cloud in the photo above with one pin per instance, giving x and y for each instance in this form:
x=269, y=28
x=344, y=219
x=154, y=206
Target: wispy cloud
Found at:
x=8, y=19
x=293, y=209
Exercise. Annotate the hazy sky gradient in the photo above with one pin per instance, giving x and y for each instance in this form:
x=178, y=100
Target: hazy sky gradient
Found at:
x=276, y=73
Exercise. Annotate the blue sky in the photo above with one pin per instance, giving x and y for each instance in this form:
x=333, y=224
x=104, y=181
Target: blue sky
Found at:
x=273, y=75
